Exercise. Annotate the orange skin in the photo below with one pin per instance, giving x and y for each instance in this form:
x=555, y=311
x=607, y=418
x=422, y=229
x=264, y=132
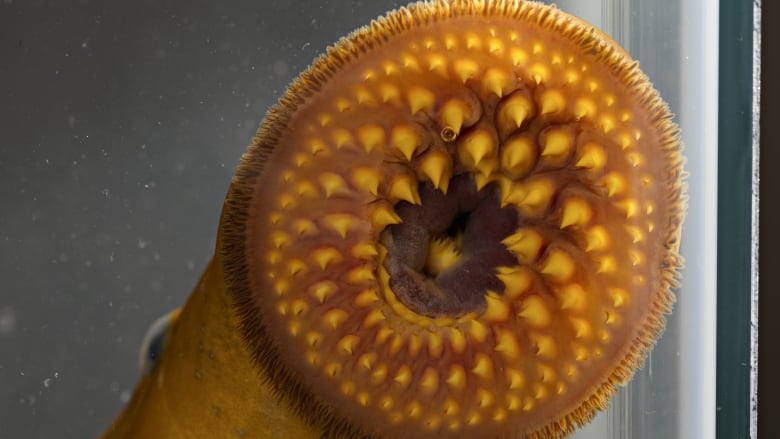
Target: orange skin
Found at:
x=469, y=227
x=206, y=381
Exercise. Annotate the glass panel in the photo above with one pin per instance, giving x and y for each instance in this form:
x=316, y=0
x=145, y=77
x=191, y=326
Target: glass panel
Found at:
x=673, y=395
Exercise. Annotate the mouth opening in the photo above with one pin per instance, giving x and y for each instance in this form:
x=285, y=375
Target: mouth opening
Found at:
x=442, y=257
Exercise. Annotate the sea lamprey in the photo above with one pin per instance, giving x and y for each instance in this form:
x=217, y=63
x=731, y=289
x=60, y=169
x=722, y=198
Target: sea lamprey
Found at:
x=461, y=221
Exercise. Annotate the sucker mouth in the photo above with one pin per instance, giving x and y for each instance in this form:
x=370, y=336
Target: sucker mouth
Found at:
x=467, y=226
x=442, y=257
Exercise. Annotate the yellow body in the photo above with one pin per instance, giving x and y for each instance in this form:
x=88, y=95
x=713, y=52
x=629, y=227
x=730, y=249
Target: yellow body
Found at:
x=205, y=385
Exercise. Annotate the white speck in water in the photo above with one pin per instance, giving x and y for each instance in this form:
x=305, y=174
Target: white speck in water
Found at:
x=47, y=382
x=104, y=192
x=84, y=44
x=143, y=244
x=7, y=321
x=124, y=396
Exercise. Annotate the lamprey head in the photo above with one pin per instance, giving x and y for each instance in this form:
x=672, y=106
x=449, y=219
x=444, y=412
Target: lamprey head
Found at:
x=462, y=220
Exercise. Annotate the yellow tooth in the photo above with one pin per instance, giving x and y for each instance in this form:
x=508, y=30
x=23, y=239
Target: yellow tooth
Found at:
x=410, y=62
x=558, y=265
x=429, y=381
x=636, y=257
x=539, y=73
x=457, y=377
x=313, y=358
x=552, y=101
x=415, y=344
x=525, y=243
x=362, y=96
x=466, y=69
x=373, y=318
x=535, y=312
x=582, y=328
x=316, y=146
x=477, y=331
x=636, y=234
x=584, y=107
x=506, y=345
x=406, y=139
x=453, y=114
x=335, y=317
x=606, y=264
x=414, y=409
x=596, y=239
x=368, y=179
x=404, y=187
x=615, y=184
x=437, y=63
x=347, y=344
x=340, y=222
x=475, y=146
x=378, y=376
x=572, y=296
x=473, y=41
x=403, y=376
x=518, y=156
x=484, y=398
x=332, y=184
x=636, y=159
x=360, y=274
x=516, y=280
x=280, y=239
x=607, y=123
x=367, y=360
x=435, y=345
x=420, y=99
x=545, y=345
x=629, y=206
x=363, y=399
x=457, y=340
x=450, y=407
x=296, y=266
x=341, y=137
x=483, y=366
x=515, y=379
x=321, y=290
x=576, y=212
x=281, y=287
x=495, y=45
x=304, y=226
x=580, y=353
x=513, y=402
x=389, y=93
x=383, y=334
x=371, y=136
x=364, y=250
x=299, y=307
x=342, y=104
x=514, y=111
x=495, y=80
x=383, y=215
x=619, y=296
x=436, y=166
x=519, y=57
x=538, y=194
x=497, y=310
x=386, y=403
x=332, y=369
x=593, y=157
x=556, y=143
x=366, y=298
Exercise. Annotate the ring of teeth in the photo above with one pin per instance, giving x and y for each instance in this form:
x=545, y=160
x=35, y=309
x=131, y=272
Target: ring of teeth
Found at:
x=529, y=107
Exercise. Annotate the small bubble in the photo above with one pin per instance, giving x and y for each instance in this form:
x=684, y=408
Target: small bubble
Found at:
x=47, y=382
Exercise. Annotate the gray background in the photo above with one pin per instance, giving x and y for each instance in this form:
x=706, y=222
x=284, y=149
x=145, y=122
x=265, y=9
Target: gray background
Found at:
x=120, y=126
